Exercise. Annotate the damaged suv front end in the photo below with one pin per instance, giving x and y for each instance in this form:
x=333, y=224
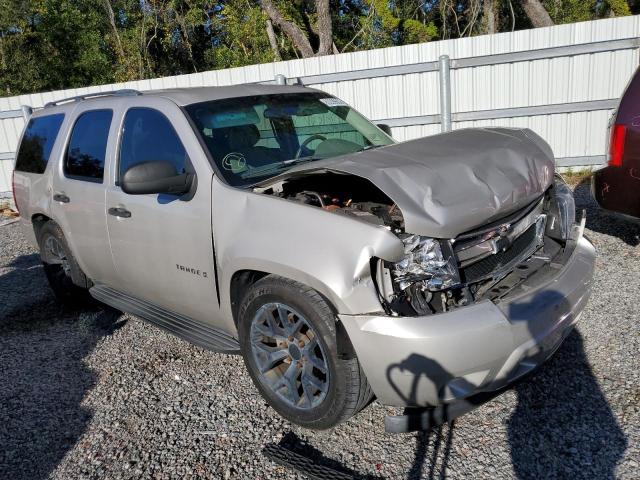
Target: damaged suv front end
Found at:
x=471, y=314
x=504, y=302
x=471, y=268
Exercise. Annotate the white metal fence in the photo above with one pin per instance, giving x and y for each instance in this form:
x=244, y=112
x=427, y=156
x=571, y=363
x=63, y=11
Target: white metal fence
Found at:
x=562, y=82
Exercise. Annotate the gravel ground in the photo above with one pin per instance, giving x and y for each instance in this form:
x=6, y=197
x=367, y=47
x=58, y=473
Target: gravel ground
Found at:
x=87, y=395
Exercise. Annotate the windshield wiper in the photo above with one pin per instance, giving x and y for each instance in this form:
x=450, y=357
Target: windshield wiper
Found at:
x=369, y=147
x=265, y=170
x=295, y=161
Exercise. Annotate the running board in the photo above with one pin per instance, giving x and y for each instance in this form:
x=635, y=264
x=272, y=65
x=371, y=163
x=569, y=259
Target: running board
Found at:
x=191, y=330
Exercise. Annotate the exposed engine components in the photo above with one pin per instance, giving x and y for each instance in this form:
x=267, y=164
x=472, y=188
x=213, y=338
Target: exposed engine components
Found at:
x=345, y=195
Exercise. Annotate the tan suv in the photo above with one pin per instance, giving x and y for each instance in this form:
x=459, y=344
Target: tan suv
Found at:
x=277, y=222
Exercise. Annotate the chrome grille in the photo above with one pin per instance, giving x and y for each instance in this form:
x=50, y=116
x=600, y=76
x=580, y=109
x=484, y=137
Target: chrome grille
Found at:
x=498, y=262
x=493, y=252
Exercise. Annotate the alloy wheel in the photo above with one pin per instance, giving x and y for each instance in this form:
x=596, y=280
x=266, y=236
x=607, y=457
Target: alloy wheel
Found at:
x=290, y=359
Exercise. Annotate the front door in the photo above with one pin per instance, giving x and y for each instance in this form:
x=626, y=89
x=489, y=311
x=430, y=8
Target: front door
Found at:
x=162, y=244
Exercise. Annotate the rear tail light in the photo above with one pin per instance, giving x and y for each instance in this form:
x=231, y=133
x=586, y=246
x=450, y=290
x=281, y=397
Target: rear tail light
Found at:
x=13, y=189
x=616, y=145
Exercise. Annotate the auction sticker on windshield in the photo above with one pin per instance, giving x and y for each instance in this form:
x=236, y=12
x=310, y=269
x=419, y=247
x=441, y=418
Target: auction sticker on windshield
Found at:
x=333, y=102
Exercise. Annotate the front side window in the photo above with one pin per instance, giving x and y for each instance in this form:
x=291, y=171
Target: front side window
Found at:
x=256, y=137
x=148, y=136
x=88, y=146
x=37, y=143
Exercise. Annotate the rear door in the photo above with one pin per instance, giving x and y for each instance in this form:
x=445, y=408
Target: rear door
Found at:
x=78, y=187
x=162, y=244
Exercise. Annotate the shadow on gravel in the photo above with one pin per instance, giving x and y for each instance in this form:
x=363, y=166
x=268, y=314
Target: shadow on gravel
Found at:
x=43, y=378
x=563, y=426
x=420, y=454
x=599, y=220
x=293, y=453
x=23, y=285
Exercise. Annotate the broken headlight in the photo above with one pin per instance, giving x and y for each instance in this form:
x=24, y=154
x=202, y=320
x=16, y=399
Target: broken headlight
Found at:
x=427, y=261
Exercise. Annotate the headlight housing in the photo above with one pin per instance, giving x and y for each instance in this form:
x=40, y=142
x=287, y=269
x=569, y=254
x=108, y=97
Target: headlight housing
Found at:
x=428, y=261
x=562, y=211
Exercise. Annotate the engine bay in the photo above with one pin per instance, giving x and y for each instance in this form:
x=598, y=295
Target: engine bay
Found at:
x=342, y=194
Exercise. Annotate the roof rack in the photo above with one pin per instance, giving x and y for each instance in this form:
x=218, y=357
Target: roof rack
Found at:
x=126, y=92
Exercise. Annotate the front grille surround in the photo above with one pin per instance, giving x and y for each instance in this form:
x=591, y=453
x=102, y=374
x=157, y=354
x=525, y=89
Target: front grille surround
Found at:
x=498, y=264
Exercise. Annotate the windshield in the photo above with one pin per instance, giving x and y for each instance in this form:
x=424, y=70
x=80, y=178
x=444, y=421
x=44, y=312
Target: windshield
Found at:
x=256, y=137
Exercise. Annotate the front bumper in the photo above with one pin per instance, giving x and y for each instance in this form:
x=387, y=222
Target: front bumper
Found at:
x=441, y=359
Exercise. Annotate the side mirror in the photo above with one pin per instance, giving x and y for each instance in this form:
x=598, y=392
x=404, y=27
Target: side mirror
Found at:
x=385, y=128
x=155, y=177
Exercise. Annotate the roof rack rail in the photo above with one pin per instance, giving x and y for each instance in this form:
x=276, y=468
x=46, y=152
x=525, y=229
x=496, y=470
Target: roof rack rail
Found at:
x=126, y=92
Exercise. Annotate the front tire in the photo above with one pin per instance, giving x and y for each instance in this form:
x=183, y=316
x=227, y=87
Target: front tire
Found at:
x=67, y=280
x=288, y=340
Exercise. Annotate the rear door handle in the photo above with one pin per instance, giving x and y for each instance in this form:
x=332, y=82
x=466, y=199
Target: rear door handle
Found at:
x=119, y=212
x=61, y=197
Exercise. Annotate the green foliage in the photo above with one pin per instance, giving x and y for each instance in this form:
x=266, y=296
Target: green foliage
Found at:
x=54, y=44
x=242, y=39
x=619, y=7
x=398, y=28
x=48, y=44
x=569, y=11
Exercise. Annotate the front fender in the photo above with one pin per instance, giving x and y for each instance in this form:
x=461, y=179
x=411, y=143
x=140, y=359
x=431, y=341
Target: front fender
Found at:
x=326, y=251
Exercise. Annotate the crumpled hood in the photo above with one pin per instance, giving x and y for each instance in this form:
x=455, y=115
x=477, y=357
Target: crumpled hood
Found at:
x=451, y=183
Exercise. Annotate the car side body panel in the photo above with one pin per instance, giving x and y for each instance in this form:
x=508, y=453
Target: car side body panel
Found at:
x=326, y=251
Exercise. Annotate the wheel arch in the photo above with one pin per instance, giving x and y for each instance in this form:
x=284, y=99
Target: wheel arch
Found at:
x=37, y=221
x=242, y=280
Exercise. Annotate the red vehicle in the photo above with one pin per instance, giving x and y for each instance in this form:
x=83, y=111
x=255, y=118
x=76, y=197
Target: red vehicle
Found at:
x=617, y=186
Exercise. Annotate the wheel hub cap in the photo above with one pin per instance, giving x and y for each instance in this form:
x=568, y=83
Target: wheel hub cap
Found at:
x=289, y=357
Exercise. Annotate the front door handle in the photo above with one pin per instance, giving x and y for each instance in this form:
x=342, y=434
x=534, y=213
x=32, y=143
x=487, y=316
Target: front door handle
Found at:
x=61, y=197
x=119, y=212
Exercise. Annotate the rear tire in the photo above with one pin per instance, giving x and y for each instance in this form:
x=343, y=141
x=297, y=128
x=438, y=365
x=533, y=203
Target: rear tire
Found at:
x=67, y=280
x=288, y=340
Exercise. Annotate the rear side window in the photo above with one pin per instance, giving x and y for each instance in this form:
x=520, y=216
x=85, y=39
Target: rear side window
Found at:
x=88, y=146
x=37, y=142
x=148, y=136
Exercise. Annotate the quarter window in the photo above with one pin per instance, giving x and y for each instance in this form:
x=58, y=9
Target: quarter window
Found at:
x=37, y=143
x=148, y=136
x=88, y=146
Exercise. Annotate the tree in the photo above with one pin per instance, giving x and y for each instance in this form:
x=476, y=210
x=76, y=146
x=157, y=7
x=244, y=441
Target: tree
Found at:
x=52, y=44
x=489, y=16
x=323, y=28
x=537, y=14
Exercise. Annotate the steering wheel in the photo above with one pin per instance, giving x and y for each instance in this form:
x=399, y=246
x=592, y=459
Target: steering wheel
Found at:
x=313, y=137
